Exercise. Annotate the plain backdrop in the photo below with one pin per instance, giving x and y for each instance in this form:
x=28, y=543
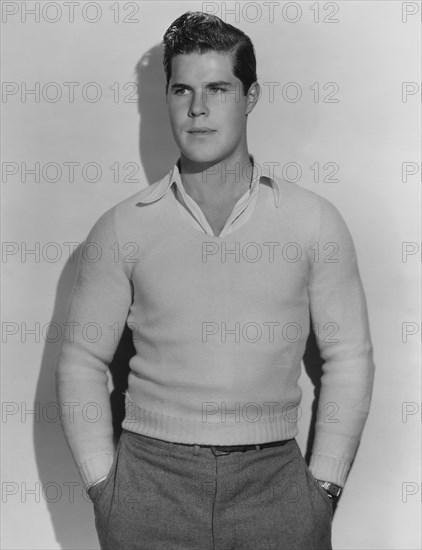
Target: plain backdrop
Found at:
x=343, y=121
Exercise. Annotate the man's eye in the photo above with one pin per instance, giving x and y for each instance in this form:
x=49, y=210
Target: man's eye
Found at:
x=216, y=89
x=180, y=91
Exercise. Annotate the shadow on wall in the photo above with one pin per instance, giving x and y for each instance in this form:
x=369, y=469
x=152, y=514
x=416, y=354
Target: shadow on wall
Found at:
x=157, y=148
x=61, y=486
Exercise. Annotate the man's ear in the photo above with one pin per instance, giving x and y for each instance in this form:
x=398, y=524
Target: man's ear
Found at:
x=254, y=93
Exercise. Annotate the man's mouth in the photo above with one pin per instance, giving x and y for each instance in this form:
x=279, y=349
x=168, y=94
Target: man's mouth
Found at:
x=201, y=131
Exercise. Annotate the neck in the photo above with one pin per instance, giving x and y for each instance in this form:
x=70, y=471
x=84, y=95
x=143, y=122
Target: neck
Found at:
x=216, y=182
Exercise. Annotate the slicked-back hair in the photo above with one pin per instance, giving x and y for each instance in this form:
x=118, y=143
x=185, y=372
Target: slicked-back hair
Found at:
x=198, y=32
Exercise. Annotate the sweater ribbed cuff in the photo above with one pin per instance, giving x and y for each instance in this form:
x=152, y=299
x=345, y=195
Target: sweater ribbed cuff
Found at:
x=95, y=467
x=329, y=468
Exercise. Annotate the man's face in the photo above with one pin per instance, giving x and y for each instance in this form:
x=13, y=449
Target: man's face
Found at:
x=204, y=93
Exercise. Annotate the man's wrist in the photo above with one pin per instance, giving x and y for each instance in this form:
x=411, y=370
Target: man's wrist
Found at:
x=333, y=491
x=97, y=482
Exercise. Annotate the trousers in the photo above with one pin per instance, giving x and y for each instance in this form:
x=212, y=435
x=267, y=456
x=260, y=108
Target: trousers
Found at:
x=160, y=495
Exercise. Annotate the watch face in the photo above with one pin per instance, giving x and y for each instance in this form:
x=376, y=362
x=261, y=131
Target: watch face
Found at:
x=331, y=488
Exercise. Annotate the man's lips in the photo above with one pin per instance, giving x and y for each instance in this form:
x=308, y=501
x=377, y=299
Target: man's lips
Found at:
x=200, y=131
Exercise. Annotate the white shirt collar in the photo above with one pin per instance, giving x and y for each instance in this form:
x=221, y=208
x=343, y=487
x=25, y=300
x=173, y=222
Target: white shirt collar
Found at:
x=261, y=173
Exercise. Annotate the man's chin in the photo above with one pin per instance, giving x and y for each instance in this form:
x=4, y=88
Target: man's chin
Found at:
x=201, y=158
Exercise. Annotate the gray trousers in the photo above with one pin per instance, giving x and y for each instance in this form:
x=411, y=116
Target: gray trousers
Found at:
x=166, y=496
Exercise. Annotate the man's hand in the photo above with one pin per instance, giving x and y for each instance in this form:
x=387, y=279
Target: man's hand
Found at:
x=333, y=491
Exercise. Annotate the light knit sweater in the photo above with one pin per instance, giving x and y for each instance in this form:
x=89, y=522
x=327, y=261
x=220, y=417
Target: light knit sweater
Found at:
x=219, y=323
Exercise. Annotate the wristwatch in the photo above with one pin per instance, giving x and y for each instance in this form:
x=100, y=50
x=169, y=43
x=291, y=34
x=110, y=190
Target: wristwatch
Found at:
x=333, y=490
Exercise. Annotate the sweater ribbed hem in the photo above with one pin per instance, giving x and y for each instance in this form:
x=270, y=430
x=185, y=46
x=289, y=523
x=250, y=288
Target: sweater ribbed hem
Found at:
x=184, y=430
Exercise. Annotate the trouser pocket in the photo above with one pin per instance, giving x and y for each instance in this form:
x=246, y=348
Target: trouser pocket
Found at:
x=102, y=498
x=321, y=506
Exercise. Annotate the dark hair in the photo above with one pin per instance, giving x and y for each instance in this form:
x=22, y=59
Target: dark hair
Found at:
x=195, y=31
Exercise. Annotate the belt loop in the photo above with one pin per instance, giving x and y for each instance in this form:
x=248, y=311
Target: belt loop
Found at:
x=258, y=447
x=196, y=450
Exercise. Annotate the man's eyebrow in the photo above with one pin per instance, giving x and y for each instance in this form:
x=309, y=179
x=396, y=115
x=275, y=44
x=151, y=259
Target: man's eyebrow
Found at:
x=208, y=84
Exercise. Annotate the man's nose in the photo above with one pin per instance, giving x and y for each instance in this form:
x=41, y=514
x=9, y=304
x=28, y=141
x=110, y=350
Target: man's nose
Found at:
x=198, y=104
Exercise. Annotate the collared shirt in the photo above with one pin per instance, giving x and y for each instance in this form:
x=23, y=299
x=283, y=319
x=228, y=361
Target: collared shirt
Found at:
x=242, y=210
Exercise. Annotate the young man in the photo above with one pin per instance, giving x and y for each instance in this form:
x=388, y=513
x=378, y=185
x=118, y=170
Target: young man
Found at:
x=217, y=269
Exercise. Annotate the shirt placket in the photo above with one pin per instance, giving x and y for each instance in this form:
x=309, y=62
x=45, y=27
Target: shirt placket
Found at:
x=194, y=210
x=245, y=201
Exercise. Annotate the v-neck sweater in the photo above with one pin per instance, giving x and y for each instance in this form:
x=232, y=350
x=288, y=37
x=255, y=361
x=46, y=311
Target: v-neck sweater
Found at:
x=220, y=325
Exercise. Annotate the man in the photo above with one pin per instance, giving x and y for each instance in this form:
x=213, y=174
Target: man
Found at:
x=216, y=268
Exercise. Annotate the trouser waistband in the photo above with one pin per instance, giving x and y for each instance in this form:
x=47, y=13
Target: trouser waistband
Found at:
x=227, y=449
x=217, y=450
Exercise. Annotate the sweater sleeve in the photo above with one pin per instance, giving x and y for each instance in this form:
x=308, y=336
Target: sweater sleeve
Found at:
x=340, y=321
x=96, y=315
